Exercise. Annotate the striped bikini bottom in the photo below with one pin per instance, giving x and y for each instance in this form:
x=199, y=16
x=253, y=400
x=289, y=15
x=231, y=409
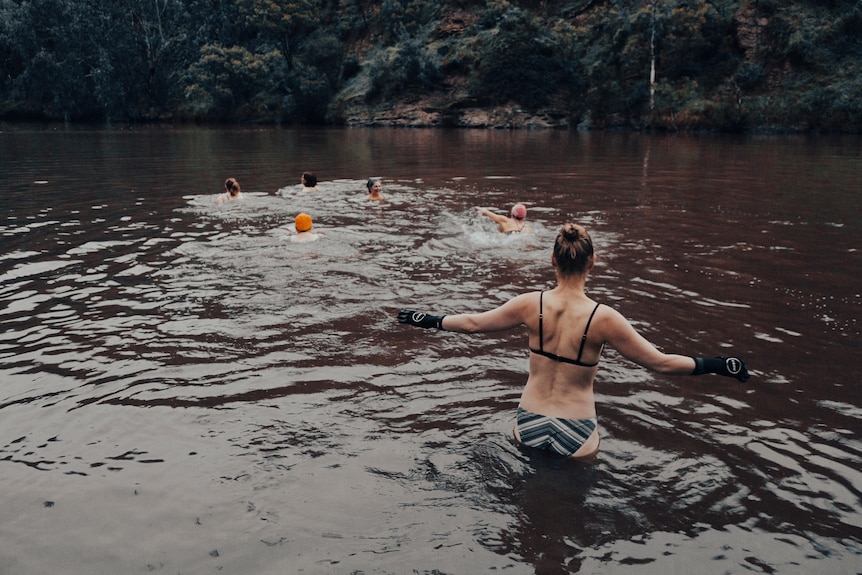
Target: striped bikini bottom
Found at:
x=563, y=436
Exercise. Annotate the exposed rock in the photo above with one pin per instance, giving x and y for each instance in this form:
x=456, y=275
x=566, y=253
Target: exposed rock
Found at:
x=453, y=24
x=424, y=113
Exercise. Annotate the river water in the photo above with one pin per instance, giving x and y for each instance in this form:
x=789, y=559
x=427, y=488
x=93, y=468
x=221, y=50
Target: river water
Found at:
x=184, y=390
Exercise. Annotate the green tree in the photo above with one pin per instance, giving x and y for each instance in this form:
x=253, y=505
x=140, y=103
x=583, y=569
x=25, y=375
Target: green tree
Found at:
x=519, y=60
x=58, y=57
x=283, y=24
x=233, y=83
x=409, y=67
x=400, y=18
x=316, y=75
x=606, y=52
x=694, y=43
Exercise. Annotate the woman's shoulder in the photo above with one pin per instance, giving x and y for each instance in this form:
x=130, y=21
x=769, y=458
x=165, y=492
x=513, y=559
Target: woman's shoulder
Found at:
x=528, y=299
x=532, y=295
x=608, y=321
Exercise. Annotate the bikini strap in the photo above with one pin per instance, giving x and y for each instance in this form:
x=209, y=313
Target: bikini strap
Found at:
x=586, y=329
x=541, y=337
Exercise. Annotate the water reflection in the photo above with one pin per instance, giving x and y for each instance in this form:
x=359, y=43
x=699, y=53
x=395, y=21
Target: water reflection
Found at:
x=186, y=366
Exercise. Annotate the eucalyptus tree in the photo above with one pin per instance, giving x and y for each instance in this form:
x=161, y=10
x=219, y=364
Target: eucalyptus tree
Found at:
x=56, y=59
x=281, y=25
x=92, y=59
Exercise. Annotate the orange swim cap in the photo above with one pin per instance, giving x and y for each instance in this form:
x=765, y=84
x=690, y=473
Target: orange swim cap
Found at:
x=303, y=222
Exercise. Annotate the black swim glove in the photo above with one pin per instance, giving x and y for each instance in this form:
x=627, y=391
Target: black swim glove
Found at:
x=420, y=319
x=724, y=365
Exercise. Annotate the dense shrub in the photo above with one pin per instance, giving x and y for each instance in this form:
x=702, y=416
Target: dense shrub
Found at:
x=749, y=76
x=235, y=83
x=519, y=61
x=694, y=44
x=400, y=17
x=408, y=68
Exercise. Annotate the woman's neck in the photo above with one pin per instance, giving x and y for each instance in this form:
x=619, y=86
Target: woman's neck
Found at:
x=574, y=282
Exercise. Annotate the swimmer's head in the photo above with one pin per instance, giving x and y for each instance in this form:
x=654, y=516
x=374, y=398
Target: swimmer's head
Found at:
x=309, y=179
x=231, y=186
x=519, y=211
x=370, y=183
x=303, y=223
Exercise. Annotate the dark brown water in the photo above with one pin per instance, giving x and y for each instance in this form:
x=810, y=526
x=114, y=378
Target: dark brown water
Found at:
x=183, y=390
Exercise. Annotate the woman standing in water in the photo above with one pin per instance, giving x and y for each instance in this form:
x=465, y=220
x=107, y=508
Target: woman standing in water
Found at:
x=567, y=332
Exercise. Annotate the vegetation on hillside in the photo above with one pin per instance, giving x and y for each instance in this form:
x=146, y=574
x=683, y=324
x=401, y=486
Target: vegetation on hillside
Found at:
x=730, y=65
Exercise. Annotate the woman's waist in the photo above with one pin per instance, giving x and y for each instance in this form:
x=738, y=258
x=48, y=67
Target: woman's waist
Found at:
x=575, y=403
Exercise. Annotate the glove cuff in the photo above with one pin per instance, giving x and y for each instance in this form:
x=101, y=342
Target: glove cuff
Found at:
x=709, y=365
x=728, y=366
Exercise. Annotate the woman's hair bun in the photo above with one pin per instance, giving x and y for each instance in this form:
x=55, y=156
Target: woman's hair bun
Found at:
x=573, y=249
x=572, y=232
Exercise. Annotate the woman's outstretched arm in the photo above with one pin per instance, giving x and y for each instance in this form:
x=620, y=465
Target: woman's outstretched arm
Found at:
x=506, y=316
x=620, y=335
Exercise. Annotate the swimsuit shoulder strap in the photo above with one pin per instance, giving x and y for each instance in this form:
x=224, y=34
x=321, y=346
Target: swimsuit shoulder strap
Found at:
x=541, y=336
x=586, y=329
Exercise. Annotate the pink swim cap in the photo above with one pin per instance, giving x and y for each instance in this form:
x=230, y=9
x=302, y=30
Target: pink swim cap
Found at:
x=519, y=211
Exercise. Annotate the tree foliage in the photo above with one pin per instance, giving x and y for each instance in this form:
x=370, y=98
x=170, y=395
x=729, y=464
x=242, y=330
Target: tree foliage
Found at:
x=519, y=60
x=234, y=82
x=720, y=64
x=409, y=66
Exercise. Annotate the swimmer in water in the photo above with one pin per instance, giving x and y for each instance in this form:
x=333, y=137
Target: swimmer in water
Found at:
x=567, y=333
x=232, y=192
x=374, y=188
x=303, y=225
x=309, y=182
x=515, y=223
